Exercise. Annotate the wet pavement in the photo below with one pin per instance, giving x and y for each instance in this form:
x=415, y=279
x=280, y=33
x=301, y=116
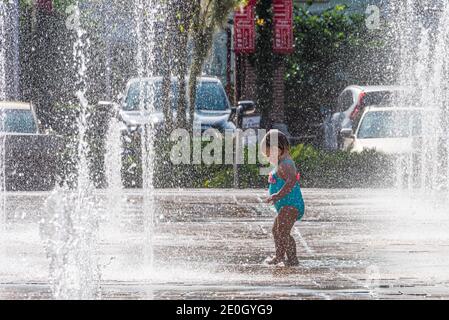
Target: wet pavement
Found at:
x=211, y=244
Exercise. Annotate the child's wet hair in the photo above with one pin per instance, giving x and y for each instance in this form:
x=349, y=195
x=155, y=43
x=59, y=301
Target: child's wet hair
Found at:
x=282, y=141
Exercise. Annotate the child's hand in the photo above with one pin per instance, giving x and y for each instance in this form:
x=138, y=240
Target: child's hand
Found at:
x=273, y=199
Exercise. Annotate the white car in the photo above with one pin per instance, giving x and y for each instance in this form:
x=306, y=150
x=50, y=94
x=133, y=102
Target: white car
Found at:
x=350, y=104
x=388, y=130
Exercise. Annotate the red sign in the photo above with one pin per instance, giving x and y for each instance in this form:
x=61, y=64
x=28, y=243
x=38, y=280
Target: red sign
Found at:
x=245, y=29
x=46, y=5
x=283, y=26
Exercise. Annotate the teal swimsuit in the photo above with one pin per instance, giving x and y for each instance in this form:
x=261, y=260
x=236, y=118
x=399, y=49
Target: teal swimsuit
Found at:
x=293, y=199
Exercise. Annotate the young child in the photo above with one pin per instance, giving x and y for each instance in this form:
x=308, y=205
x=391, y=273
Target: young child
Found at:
x=285, y=195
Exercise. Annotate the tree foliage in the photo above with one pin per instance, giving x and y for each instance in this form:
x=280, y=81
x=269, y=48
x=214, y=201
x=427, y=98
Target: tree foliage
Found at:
x=332, y=50
x=208, y=15
x=264, y=59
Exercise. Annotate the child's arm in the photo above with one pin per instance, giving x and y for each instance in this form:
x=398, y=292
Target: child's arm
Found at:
x=288, y=174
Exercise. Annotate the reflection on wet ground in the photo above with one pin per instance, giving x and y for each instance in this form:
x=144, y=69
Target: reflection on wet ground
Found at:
x=352, y=244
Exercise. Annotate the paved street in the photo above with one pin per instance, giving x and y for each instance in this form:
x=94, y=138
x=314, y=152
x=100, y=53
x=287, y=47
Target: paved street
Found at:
x=352, y=244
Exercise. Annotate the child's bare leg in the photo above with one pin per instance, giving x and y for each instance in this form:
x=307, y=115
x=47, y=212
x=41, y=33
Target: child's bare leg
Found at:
x=275, y=231
x=292, y=257
x=287, y=218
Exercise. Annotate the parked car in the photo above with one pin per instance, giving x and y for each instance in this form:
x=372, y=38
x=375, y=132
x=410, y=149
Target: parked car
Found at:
x=389, y=130
x=212, y=107
x=141, y=105
x=351, y=104
x=28, y=157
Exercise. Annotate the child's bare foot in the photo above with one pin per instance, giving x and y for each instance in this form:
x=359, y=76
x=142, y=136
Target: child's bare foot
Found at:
x=273, y=261
x=292, y=263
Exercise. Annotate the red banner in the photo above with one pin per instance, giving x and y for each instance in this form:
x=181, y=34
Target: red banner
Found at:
x=245, y=29
x=46, y=5
x=283, y=26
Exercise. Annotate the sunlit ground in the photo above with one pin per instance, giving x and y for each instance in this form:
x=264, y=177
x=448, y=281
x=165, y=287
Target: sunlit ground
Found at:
x=356, y=244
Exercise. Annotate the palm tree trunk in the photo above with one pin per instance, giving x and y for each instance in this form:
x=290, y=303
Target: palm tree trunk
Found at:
x=202, y=46
x=183, y=24
x=195, y=71
x=181, y=119
x=194, y=30
x=167, y=70
x=207, y=15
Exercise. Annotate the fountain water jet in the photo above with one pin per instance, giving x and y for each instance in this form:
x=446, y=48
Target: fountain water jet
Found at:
x=422, y=37
x=9, y=49
x=70, y=231
x=14, y=52
x=3, y=212
x=113, y=164
x=146, y=13
x=3, y=21
x=3, y=96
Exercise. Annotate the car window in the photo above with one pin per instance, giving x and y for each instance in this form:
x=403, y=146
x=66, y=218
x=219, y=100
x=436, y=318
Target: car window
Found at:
x=17, y=121
x=377, y=98
x=390, y=124
x=209, y=96
x=345, y=101
x=150, y=94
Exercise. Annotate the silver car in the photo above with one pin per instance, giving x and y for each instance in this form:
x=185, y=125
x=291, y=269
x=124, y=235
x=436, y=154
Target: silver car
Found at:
x=212, y=109
x=29, y=157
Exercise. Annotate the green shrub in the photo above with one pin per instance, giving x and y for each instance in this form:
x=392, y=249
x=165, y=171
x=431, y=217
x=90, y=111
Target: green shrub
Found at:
x=319, y=169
